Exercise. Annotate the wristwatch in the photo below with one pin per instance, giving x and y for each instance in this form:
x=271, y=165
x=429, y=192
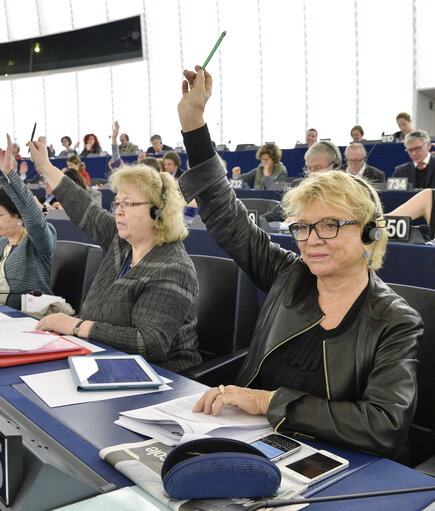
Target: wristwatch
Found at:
x=76, y=329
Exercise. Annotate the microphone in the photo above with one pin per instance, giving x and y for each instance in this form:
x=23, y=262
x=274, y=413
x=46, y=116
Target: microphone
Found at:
x=34, y=292
x=374, y=145
x=423, y=228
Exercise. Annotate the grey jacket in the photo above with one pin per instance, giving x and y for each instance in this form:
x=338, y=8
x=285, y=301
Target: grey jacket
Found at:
x=28, y=266
x=370, y=370
x=151, y=310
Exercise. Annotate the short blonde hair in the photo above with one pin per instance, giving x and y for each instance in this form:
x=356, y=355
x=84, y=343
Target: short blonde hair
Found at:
x=349, y=196
x=170, y=227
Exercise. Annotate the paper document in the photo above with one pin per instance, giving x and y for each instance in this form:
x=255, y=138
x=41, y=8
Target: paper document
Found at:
x=57, y=388
x=11, y=339
x=174, y=421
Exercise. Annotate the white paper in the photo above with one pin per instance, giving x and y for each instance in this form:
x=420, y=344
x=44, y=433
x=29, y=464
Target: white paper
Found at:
x=84, y=343
x=30, y=303
x=57, y=388
x=11, y=339
x=170, y=421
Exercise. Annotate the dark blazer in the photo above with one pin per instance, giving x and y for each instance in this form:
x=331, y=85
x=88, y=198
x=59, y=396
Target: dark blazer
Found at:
x=408, y=170
x=374, y=175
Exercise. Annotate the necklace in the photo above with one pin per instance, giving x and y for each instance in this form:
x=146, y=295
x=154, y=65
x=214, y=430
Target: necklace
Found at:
x=20, y=239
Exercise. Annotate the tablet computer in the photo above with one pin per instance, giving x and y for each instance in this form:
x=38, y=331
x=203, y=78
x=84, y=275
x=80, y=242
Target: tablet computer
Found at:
x=108, y=372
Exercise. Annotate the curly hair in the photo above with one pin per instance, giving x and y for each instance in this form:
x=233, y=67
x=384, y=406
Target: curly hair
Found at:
x=95, y=144
x=272, y=150
x=347, y=195
x=170, y=227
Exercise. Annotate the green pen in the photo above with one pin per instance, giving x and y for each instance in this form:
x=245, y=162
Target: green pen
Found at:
x=224, y=33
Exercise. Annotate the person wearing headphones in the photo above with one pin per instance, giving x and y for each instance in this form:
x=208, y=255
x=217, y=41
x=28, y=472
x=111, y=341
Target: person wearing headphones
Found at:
x=143, y=297
x=126, y=147
x=270, y=171
x=27, y=241
x=334, y=350
x=356, y=159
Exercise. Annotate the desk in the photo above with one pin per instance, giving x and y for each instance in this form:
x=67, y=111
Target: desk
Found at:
x=85, y=428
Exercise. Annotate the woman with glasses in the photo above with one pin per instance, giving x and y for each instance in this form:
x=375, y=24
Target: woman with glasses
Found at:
x=333, y=355
x=142, y=299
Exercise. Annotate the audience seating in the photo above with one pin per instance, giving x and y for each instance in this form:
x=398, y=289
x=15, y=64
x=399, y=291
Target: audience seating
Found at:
x=73, y=270
x=422, y=437
x=260, y=205
x=227, y=313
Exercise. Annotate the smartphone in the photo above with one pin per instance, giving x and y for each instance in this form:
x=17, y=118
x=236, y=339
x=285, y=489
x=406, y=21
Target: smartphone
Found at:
x=276, y=446
x=315, y=467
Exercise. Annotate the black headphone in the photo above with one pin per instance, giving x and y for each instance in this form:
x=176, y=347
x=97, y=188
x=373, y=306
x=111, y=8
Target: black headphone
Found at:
x=371, y=231
x=338, y=158
x=156, y=212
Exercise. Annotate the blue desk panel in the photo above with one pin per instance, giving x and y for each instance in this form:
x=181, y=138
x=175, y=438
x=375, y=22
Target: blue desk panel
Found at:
x=381, y=475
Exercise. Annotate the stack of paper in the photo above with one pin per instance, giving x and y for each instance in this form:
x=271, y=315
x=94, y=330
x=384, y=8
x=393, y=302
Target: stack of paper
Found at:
x=174, y=421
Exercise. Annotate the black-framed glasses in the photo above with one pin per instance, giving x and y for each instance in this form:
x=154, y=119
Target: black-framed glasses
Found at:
x=126, y=204
x=325, y=229
x=415, y=149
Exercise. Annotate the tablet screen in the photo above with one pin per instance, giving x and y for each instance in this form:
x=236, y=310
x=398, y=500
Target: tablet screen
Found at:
x=117, y=371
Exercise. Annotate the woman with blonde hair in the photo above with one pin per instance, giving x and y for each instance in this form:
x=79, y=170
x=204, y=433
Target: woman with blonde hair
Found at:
x=142, y=299
x=334, y=350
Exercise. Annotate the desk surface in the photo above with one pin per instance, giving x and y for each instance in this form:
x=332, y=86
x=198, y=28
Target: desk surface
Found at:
x=86, y=428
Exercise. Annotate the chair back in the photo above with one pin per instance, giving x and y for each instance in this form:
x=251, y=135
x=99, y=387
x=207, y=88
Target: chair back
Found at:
x=73, y=269
x=422, y=437
x=227, y=306
x=260, y=205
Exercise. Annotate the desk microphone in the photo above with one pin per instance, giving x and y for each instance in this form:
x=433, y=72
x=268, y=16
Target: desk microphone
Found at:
x=34, y=292
x=374, y=145
x=332, y=498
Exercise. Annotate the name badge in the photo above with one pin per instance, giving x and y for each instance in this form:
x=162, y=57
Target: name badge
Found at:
x=397, y=183
x=398, y=227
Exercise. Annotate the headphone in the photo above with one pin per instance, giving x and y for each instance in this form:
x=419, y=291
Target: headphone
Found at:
x=156, y=212
x=371, y=231
x=338, y=158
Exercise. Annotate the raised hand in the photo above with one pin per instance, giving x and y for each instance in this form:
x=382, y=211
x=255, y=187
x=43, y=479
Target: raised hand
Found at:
x=115, y=131
x=6, y=163
x=196, y=89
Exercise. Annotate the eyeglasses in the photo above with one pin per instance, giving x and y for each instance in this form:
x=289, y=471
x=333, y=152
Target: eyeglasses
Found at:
x=355, y=161
x=317, y=168
x=325, y=229
x=126, y=204
x=414, y=149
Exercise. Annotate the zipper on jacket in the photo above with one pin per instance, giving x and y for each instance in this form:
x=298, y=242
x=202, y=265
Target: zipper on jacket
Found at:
x=280, y=344
x=326, y=371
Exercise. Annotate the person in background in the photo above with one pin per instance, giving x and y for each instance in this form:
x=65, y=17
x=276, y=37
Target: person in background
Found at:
x=27, y=241
x=16, y=151
x=403, y=120
x=143, y=297
x=356, y=159
x=421, y=170
x=48, y=200
x=126, y=147
x=357, y=133
x=271, y=170
x=23, y=169
x=92, y=146
x=334, y=351
x=68, y=150
x=310, y=138
x=421, y=204
x=50, y=149
x=157, y=146
x=75, y=163
x=172, y=164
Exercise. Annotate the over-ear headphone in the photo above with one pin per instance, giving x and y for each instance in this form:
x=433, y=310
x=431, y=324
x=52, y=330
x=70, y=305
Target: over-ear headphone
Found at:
x=338, y=158
x=155, y=211
x=371, y=231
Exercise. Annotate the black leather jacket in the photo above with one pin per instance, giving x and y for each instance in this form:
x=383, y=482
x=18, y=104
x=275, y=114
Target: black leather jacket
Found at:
x=370, y=370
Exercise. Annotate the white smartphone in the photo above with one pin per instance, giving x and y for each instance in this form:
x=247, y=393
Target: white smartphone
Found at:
x=315, y=467
x=276, y=446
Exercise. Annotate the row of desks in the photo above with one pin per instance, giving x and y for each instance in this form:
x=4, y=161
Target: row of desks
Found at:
x=84, y=429
x=383, y=156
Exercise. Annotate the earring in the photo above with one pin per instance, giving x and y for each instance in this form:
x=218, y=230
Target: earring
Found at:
x=366, y=254
x=20, y=222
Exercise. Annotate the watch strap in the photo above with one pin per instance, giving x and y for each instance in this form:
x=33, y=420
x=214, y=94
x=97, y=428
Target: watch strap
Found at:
x=76, y=329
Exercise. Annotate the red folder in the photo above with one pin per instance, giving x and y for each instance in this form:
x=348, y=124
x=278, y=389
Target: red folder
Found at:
x=28, y=357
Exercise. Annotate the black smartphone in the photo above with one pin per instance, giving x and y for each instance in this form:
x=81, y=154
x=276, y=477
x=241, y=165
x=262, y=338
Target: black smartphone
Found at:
x=276, y=446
